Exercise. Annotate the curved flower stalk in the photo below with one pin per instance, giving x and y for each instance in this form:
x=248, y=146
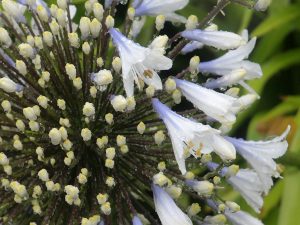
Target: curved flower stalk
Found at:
x=167, y=210
x=157, y=7
x=219, y=39
x=261, y=154
x=139, y=63
x=196, y=138
x=78, y=143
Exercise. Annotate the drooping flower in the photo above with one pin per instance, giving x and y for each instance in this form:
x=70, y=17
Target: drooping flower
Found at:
x=139, y=63
x=261, y=154
x=158, y=7
x=218, y=39
x=241, y=218
x=220, y=107
x=167, y=210
x=195, y=137
x=233, y=60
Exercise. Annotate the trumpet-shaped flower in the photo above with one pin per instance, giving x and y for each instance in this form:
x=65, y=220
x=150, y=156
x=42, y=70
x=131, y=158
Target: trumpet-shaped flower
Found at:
x=218, y=39
x=195, y=137
x=233, y=60
x=9, y=86
x=158, y=7
x=169, y=213
x=261, y=154
x=219, y=106
x=241, y=218
x=139, y=63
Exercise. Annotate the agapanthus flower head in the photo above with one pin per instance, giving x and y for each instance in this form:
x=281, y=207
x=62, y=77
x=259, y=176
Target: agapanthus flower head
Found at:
x=89, y=131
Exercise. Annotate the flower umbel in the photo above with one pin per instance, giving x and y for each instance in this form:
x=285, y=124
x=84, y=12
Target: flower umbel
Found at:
x=88, y=123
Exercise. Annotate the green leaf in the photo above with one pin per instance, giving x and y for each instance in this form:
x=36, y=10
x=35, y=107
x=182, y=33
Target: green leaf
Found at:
x=275, y=21
x=289, y=210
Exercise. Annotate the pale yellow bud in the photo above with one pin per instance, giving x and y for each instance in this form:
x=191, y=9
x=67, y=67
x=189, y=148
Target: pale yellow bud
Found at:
x=109, y=22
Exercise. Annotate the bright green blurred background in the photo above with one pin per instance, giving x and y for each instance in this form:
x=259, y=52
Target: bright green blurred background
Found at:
x=278, y=52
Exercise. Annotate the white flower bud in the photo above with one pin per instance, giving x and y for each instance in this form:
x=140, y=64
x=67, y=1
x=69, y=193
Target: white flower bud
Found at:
x=67, y=144
x=124, y=149
x=36, y=110
x=121, y=140
x=46, y=76
x=43, y=175
x=101, y=142
x=93, y=91
x=3, y=159
x=61, y=17
x=176, y=95
x=192, y=22
x=53, y=10
x=160, y=179
x=48, y=38
x=55, y=28
x=55, y=136
x=82, y=179
x=86, y=134
x=159, y=137
x=5, y=38
x=42, y=13
x=62, y=4
x=141, y=127
x=110, y=153
x=234, y=207
x=194, y=63
x=73, y=39
x=61, y=104
x=30, y=40
x=71, y=71
x=109, y=163
x=21, y=67
x=109, y=118
x=88, y=109
x=100, y=62
x=7, y=169
x=119, y=103
x=98, y=11
x=84, y=26
x=6, y=106
x=102, y=198
x=131, y=13
x=9, y=86
x=86, y=48
x=160, y=22
x=106, y=209
x=174, y=191
x=34, y=126
x=203, y=187
x=43, y=101
x=110, y=181
x=194, y=209
x=18, y=145
x=110, y=22
x=170, y=85
x=26, y=50
x=29, y=113
x=150, y=91
x=103, y=77
x=63, y=133
x=117, y=64
x=95, y=27
x=38, y=42
x=77, y=82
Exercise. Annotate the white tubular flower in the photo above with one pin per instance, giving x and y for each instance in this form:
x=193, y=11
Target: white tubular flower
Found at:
x=193, y=45
x=260, y=155
x=14, y=9
x=139, y=62
x=262, y=5
x=232, y=60
x=158, y=7
x=196, y=137
x=241, y=218
x=219, y=106
x=136, y=221
x=10, y=86
x=219, y=39
x=169, y=213
x=232, y=78
x=248, y=184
